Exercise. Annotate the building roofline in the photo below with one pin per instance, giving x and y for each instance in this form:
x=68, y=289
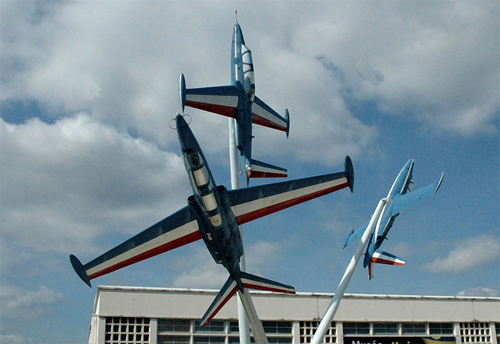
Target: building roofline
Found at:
x=307, y=294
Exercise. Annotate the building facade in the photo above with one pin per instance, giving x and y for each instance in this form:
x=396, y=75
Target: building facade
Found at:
x=128, y=315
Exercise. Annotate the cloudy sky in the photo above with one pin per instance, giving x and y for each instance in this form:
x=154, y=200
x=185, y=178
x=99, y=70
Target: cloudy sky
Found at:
x=88, y=159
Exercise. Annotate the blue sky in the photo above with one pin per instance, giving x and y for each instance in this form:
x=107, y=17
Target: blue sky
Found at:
x=88, y=158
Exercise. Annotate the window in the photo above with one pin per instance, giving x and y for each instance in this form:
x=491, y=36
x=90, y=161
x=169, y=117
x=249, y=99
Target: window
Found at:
x=200, y=177
x=193, y=160
x=126, y=330
x=277, y=326
x=475, y=333
x=208, y=340
x=215, y=220
x=440, y=328
x=169, y=339
x=209, y=202
x=174, y=325
x=234, y=327
x=385, y=328
x=413, y=328
x=212, y=326
x=356, y=328
x=308, y=328
x=279, y=340
x=236, y=340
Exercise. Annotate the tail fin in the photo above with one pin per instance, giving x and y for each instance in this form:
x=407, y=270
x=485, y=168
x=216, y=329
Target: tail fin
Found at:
x=381, y=257
x=231, y=287
x=259, y=283
x=258, y=169
x=228, y=290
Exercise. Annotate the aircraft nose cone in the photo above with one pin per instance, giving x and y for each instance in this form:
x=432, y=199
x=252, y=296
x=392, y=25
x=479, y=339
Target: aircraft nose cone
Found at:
x=238, y=34
x=180, y=122
x=185, y=135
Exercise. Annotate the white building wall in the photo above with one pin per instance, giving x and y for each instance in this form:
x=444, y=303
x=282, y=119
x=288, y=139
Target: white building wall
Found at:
x=159, y=303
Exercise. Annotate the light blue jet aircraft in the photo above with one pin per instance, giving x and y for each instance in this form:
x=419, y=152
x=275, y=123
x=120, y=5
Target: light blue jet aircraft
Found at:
x=240, y=102
x=398, y=199
x=213, y=214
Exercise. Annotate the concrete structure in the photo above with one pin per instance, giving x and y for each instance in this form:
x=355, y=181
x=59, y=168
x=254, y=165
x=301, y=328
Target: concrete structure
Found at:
x=129, y=315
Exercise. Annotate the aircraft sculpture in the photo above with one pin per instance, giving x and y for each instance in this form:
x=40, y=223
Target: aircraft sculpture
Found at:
x=213, y=214
x=239, y=101
x=387, y=210
x=398, y=199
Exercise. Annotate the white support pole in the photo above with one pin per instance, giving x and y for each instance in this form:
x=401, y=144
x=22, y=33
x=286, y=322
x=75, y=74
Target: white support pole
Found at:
x=339, y=293
x=243, y=326
x=257, y=329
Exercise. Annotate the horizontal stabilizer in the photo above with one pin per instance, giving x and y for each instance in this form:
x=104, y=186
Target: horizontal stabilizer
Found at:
x=263, y=114
x=403, y=201
x=381, y=257
x=222, y=100
x=259, y=283
x=248, y=281
x=259, y=169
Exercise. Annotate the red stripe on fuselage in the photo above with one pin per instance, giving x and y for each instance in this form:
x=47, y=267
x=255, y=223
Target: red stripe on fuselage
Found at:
x=148, y=254
x=219, y=109
x=283, y=205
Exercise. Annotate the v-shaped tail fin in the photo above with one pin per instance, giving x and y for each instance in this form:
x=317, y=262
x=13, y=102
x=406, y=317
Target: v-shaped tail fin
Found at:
x=231, y=287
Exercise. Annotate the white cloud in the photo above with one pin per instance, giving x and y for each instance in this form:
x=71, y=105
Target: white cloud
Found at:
x=13, y=339
x=64, y=185
x=20, y=303
x=262, y=253
x=440, y=69
x=479, y=291
x=468, y=254
x=201, y=271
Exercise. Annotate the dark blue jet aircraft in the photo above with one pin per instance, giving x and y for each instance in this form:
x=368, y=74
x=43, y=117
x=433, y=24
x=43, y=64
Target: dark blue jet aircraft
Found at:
x=213, y=214
x=240, y=102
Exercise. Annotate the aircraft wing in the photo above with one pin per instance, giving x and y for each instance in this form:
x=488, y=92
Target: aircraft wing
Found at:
x=258, y=201
x=222, y=100
x=403, y=201
x=355, y=234
x=263, y=114
x=178, y=229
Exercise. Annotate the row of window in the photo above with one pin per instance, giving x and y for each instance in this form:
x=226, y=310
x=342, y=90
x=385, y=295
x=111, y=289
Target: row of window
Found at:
x=182, y=331
x=218, y=326
x=179, y=331
x=172, y=339
x=365, y=328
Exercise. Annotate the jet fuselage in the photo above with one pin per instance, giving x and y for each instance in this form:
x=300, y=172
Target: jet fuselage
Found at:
x=401, y=186
x=242, y=73
x=218, y=225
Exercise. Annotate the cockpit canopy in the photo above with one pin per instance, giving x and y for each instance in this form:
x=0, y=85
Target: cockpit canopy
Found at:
x=248, y=75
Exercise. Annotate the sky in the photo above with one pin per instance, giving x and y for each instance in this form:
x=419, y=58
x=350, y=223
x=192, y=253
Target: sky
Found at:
x=88, y=159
